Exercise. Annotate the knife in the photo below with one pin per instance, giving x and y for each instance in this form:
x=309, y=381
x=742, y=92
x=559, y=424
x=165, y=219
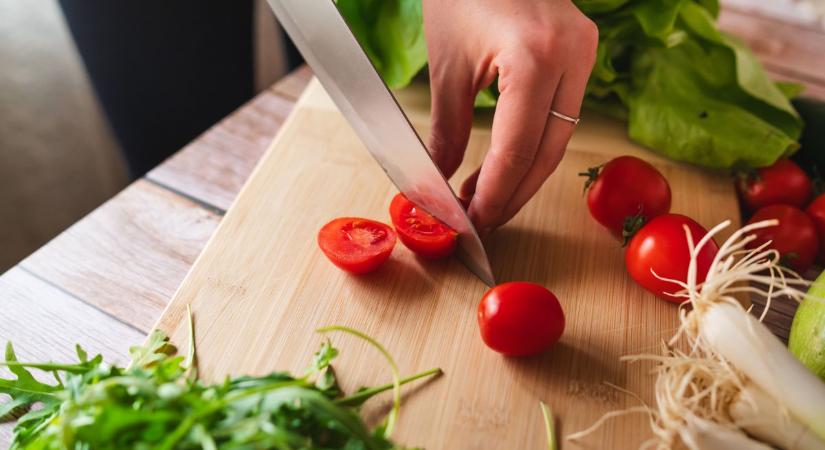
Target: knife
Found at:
x=343, y=68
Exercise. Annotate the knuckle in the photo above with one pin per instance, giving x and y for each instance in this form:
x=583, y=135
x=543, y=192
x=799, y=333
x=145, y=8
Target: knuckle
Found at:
x=515, y=160
x=587, y=36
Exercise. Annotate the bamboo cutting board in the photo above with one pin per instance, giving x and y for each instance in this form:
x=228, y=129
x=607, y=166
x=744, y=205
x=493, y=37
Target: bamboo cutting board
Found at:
x=261, y=287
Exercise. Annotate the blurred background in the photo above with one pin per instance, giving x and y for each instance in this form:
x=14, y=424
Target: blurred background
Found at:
x=82, y=113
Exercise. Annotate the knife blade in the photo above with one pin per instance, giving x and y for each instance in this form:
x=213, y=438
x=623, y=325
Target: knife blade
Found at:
x=329, y=47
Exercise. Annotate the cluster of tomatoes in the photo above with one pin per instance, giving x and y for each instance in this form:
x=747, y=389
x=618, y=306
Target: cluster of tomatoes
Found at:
x=781, y=191
x=632, y=199
x=516, y=318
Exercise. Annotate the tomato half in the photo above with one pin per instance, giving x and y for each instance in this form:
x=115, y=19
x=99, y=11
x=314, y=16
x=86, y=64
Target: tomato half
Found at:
x=794, y=238
x=520, y=318
x=356, y=245
x=816, y=211
x=661, y=246
x=626, y=187
x=420, y=231
x=783, y=182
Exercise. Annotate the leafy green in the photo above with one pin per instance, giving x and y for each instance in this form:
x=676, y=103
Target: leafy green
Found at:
x=686, y=89
x=156, y=403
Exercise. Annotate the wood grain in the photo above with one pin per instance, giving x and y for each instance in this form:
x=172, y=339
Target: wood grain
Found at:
x=783, y=47
x=293, y=85
x=214, y=166
x=45, y=323
x=128, y=256
x=257, y=299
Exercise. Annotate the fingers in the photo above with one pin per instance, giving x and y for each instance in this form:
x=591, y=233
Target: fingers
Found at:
x=557, y=133
x=452, y=96
x=518, y=125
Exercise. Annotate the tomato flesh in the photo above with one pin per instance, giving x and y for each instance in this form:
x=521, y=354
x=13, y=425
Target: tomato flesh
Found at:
x=520, y=318
x=816, y=211
x=420, y=231
x=661, y=246
x=356, y=245
x=783, y=182
x=625, y=187
x=794, y=238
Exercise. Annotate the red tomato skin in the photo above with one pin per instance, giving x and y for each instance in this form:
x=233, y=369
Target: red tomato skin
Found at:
x=795, y=234
x=816, y=211
x=625, y=187
x=520, y=318
x=661, y=245
x=339, y=240
x=410, y=221
x=783, y=182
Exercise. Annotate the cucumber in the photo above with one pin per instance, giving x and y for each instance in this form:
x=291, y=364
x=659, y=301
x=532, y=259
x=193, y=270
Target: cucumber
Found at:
x=807, y=340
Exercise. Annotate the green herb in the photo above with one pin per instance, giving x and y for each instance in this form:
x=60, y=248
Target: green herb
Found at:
x=686, y=89
x=548, y=426
x=157, y=402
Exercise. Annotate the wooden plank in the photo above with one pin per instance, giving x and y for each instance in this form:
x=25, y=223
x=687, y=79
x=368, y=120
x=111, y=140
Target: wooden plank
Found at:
x=45, y=323
x=213, y=167
x=782, y=47
x=129, y=255
x=261, y=287
x=292, y=85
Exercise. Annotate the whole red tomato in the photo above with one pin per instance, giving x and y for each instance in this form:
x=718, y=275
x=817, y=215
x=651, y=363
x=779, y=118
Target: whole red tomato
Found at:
x=356, y=245
x=520, y=318
x=661, y=246
x=783, y=182
x=816, y=211
x=626, y=187
x=794, y=238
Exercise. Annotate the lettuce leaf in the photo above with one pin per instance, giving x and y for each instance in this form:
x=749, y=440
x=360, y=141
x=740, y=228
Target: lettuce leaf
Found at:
x=686, y=89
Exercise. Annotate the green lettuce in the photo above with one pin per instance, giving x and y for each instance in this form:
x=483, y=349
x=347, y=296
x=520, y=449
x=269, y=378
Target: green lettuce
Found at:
x=686, y=89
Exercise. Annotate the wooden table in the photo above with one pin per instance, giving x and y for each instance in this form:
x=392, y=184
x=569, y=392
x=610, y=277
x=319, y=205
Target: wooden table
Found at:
x=105, y=281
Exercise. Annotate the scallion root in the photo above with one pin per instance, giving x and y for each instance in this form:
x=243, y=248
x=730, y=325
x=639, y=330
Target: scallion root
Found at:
x=723, y=380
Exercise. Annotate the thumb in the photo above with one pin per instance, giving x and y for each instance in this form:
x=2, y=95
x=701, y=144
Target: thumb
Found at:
x=452, y=96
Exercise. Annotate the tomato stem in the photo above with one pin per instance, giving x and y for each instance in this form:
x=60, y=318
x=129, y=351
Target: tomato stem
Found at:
x=632, y=224
x=592, y=174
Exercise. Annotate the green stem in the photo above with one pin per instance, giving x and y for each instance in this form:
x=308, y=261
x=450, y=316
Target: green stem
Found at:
x=184, y=427
x=361, y=396
x=48, y=367
x=548, y=426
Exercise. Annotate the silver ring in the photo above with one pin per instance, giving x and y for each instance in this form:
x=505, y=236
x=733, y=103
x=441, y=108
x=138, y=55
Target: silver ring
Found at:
x=573, y=120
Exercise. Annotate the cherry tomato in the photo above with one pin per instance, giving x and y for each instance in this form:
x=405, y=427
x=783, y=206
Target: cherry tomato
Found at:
x=420, y=231
x=356, y=245
x=520, y=318
x=661, y=246
x=626, y=187
x=816, y=211
x=794, y=238
x=783, y=182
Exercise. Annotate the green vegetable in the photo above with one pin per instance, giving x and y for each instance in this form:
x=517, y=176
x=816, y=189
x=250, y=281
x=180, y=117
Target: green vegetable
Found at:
x=687, y=90
x=807, y=340
x=158, y=403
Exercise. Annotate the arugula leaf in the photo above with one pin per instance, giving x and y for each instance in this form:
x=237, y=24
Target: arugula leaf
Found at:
x=156, y=403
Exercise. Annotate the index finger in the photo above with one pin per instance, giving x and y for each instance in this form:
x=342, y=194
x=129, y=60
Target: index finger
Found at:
x=518, y=126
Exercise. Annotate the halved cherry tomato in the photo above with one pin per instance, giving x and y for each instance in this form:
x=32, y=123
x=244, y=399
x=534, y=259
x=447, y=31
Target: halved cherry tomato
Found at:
x=624, y=188
x=356, y=245
x=661, y=246
x=420, y=231
x=816, y=211
x=794, y=238
x=520, y=318
x=783, y=182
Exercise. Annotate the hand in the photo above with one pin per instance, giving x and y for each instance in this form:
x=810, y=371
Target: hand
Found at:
x=542, y=52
